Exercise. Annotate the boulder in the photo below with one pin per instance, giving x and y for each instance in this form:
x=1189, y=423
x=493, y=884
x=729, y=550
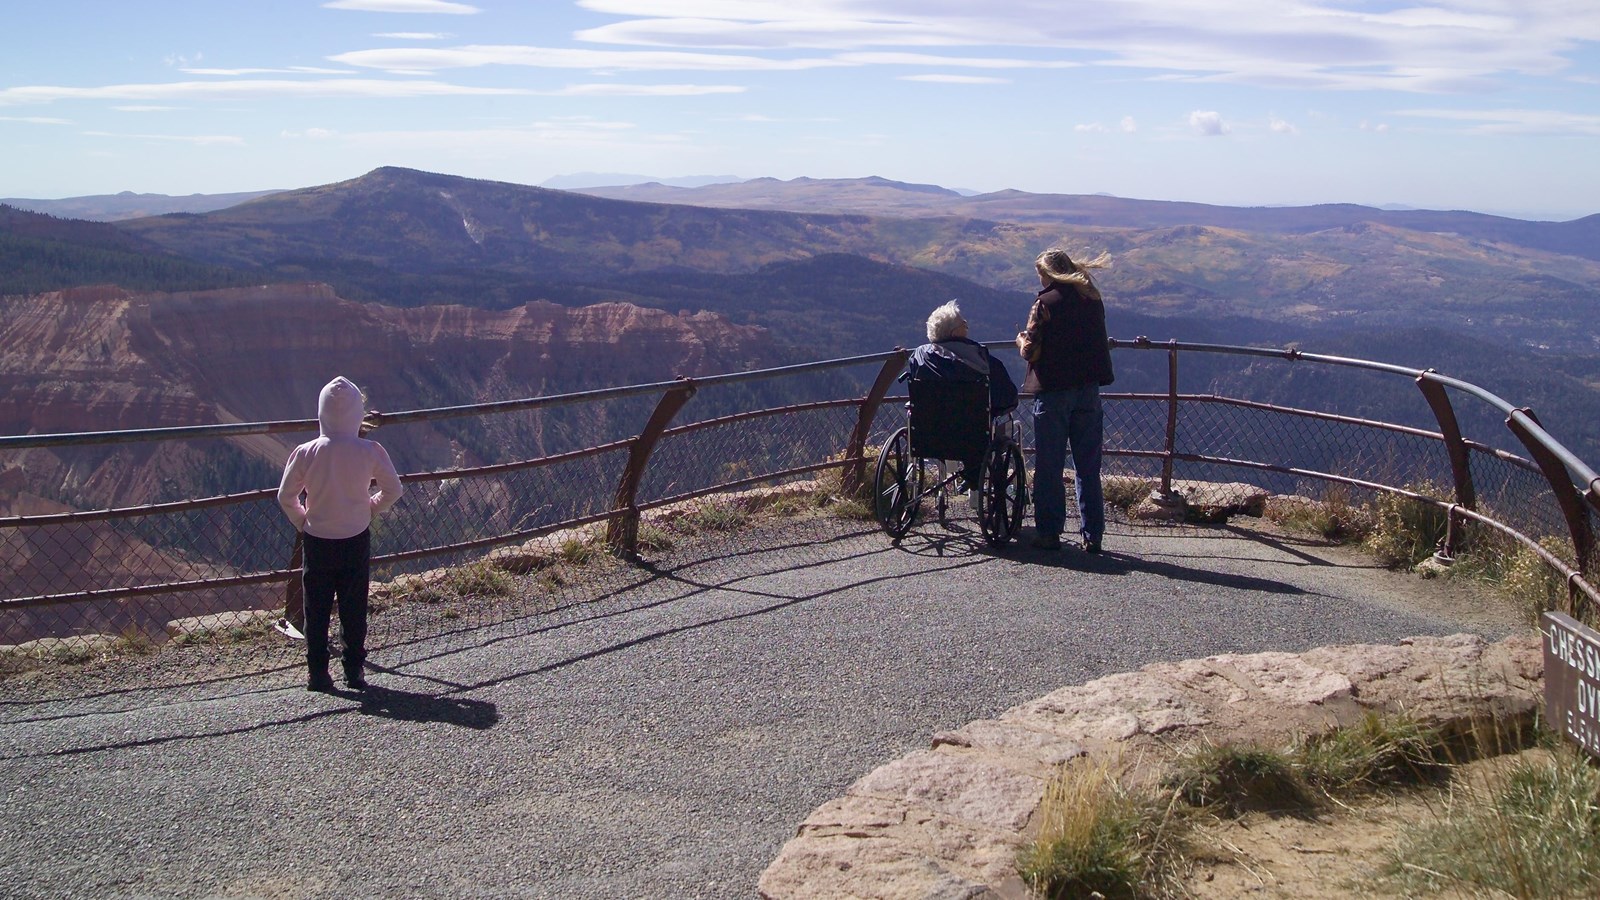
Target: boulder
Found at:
x=948, y=822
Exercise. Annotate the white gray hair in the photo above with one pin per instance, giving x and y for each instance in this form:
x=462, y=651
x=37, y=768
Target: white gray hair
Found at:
x=944, y=321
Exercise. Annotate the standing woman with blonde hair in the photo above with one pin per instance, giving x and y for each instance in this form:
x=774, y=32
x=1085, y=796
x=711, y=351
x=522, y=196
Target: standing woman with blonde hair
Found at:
x=1069, y=360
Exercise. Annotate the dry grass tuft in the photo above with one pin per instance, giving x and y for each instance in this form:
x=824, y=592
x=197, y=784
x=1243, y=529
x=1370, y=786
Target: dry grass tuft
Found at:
x=1532, y=831
x=1335, y=517
x=1098, y=838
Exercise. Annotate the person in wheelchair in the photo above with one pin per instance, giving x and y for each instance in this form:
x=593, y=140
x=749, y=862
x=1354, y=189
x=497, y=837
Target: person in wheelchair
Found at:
x=951, y=356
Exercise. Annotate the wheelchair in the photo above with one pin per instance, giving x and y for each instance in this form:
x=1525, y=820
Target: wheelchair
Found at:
x=950, y=421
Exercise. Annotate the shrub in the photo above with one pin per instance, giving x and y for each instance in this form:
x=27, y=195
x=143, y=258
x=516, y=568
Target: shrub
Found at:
x=715, y=516
x=1531, y=582
x=1125, y=491
x=479, y=579
x=1236, y=779
x=254, y=629
x=1405, y=531
x=653, y=538
x=852, y=508
x=1335, y=517
x=133, y=641
x=1521, y=574
x=1380, y=751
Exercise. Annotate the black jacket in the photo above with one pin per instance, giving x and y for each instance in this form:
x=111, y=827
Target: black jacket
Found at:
x=1065, y=342
x=963, y=359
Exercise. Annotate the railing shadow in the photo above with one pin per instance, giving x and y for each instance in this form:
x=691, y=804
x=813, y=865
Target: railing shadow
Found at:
x=1113, y=563
x=675, y=575
x=377, y=700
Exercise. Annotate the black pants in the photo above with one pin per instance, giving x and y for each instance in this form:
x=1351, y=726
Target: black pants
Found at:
x=336, y=569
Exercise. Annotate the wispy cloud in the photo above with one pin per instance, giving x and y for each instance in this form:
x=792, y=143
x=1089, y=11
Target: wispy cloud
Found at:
x=510, y=141
x=423, y=59
x=642, y=90
x=1516, y=121
x=415, y=35
x=204, y=140
x=405, y=6
x=289, y=70
x=234, y=90
x=35, y=120
x=956, y=79
x=764, y=119
x=144, y=108
x=1127, y=126
x=1445, y=46
x=1279, y=126
x=950, y=62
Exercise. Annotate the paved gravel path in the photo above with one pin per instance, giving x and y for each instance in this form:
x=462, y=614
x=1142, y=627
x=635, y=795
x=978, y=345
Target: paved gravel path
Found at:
x=662, y=741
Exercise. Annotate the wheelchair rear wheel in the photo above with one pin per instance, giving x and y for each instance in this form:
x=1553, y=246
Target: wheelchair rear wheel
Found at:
x=1003, y=495
x=896, y=485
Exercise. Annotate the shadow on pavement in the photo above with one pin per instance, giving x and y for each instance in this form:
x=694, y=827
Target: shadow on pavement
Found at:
x=1110, y=562
x=410, y=706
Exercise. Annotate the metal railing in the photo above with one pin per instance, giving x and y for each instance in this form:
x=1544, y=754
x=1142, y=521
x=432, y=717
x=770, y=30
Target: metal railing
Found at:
x=534, y=475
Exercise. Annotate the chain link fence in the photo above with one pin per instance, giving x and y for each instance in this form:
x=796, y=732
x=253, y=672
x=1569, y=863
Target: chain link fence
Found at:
x=517, y=506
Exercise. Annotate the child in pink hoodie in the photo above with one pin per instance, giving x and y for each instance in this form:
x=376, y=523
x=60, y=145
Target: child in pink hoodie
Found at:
x=334, y=473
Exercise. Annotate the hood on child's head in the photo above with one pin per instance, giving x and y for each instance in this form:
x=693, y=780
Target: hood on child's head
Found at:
x=340, y=407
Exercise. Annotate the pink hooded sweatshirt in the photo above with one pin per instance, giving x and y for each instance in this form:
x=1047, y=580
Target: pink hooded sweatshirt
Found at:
x=336, y=471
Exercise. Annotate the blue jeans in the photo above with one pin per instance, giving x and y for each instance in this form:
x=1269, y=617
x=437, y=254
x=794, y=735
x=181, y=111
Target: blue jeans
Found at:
x=1062, y=418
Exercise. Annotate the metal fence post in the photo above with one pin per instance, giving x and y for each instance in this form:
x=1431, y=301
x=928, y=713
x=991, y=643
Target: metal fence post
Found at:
x=622, y=532
x=1165, y=496
x=1460, y=465
x=1567, y=494
x=855, y=472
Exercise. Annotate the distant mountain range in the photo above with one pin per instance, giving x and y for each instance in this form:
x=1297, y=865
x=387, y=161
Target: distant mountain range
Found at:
x=881, y=196
x=128, y=205
x=579, y=180
x=833, y=267
x=405, y=237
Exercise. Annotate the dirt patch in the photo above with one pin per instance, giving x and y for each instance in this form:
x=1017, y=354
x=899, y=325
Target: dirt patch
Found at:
x=1330, y=854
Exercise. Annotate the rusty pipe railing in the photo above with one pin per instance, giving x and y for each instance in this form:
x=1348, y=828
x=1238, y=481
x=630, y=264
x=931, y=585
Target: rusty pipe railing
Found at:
x=1573, y=484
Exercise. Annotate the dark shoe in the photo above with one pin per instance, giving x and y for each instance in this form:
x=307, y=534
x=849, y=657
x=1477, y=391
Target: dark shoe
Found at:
x=319, y=682
x=355, y=680
x=1091, y=545
x=1047, y=542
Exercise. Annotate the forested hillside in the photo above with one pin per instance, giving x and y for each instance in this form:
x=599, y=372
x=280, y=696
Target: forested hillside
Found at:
x=43, y=253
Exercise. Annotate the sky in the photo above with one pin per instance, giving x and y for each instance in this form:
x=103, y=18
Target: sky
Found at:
x=1488, y=105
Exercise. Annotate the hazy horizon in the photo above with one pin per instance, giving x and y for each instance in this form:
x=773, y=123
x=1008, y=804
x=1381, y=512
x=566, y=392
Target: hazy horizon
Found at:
x=578, y=181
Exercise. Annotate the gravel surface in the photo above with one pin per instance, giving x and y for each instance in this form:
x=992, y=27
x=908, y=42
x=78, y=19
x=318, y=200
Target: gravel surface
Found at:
x=658, y=741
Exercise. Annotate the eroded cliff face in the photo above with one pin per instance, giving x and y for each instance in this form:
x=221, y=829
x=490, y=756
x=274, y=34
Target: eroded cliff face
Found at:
x=101, y=358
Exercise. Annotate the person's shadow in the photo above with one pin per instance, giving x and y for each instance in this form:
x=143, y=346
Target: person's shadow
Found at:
x=407, y=706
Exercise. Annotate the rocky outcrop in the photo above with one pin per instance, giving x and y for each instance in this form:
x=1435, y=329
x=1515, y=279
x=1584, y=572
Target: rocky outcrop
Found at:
x=947, y=822
x=101, y=358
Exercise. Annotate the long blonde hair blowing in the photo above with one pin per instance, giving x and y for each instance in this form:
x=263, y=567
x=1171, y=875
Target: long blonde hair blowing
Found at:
x=1057, y=265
